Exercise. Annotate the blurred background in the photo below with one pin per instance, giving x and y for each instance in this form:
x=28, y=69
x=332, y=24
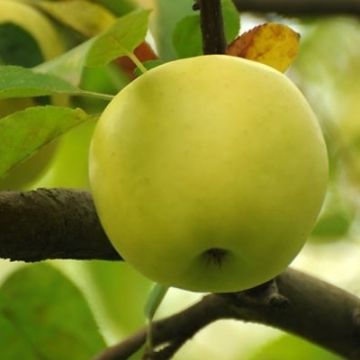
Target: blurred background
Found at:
x=327, y=70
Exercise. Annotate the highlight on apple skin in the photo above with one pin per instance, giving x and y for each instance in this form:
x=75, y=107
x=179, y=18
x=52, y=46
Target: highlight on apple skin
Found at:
x=208, y=173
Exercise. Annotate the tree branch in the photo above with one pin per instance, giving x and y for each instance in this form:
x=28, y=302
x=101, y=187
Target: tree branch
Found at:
x=59, y=223
x=312, y=310
x=51, y=224
x=212, y=26
x=301, y=7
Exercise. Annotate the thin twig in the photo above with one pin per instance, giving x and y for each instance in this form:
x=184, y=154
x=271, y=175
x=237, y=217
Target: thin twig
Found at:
x=313, y=310
x=301, y=7
x=212, y=26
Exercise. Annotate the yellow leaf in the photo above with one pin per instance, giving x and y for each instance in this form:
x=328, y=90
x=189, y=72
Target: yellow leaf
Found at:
x=83, y=16
x=276, y=45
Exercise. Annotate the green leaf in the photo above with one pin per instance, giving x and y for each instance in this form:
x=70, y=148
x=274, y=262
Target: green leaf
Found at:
x=109, y=282
x=16, y=81
x=68, y=66
x=291, y=347
x=187, y=38
x=155, y=298
x=333, y=225
x=24, y=132
x=44, y=316
x=336, y=218
x=231, y=20
x=120, y=39
x=83, y=16
x=167, y=15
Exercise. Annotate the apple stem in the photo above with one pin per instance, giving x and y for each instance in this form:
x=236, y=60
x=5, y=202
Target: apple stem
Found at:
x=137, y=62
x=212, y=26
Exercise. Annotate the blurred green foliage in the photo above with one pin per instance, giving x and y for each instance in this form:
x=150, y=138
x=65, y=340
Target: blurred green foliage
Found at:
x=290, y=347
x=44, y=316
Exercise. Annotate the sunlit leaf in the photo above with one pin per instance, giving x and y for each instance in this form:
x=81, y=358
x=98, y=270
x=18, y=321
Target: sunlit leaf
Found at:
x=120, y=39
x=276, y=45
x=23, y=132
x=16, y=81
x=44, y=316
x=83, y=16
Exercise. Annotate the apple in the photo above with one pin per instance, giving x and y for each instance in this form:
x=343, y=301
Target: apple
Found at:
x=208, y=173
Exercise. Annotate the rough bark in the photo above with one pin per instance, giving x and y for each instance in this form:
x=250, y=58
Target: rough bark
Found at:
x=51, y=224
x=301, y=7
x=299, y=304
x=212, y=26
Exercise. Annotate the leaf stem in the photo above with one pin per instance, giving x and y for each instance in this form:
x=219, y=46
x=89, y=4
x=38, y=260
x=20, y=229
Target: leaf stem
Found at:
x=137, y=62
x=93, y=94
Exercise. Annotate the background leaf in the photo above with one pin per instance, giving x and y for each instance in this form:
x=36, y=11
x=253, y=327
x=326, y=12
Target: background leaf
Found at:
x=23, y=132
x=167, y=15
x=68, y=66
x=44, y=316
x=16, y=81
x=120, y=39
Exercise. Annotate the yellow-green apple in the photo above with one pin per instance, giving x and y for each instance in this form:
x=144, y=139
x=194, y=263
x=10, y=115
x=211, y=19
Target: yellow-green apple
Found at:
x=208, y=173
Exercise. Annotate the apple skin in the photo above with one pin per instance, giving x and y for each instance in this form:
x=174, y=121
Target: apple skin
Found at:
x=208, y=173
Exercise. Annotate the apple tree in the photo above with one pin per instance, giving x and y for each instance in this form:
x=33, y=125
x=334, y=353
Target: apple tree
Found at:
x=162, y=164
